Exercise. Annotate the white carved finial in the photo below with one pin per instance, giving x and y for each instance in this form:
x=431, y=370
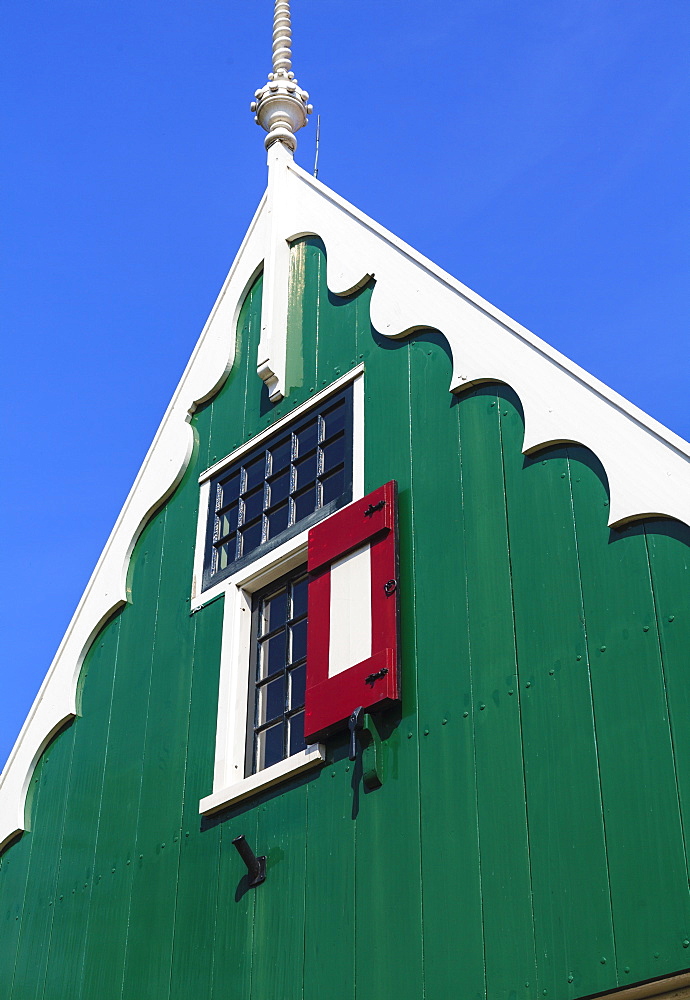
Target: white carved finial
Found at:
x=281, y=106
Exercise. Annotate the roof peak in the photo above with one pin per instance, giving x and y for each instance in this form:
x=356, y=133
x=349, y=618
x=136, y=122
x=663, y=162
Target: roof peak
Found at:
x=281, y=106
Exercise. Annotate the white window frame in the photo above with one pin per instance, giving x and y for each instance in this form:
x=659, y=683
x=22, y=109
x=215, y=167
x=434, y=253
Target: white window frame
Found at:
x=355, y=377
x=229, y=782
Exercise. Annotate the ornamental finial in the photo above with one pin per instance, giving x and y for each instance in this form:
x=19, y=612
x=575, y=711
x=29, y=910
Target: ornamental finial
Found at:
x=281, y=106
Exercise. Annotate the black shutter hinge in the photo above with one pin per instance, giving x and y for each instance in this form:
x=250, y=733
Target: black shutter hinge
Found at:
x=373, y=507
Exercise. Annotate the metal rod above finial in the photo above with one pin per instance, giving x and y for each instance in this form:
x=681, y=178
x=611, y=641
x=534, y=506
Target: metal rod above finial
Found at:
x=282, y=36
x=281, y=106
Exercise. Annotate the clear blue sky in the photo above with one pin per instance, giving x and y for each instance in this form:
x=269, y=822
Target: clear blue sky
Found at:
x=537, y=150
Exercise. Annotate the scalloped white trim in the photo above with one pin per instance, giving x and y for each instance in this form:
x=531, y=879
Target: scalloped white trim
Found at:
x=647, y=465
x=160, y=473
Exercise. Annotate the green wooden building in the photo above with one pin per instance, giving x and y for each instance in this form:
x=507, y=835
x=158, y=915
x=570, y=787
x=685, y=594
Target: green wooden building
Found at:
x=513, y=823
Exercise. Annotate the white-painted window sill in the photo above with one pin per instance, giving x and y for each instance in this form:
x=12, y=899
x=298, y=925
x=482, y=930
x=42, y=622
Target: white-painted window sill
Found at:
x=312, y=756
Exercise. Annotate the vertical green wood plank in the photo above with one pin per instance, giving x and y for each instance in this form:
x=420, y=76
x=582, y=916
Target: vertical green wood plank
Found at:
x=197, y=884
x=337, y=347
x=388, y=920
x=14, y=866
x=148, y=959
x=651, y=905
x=303, y=323
x=230, y=967
x=495, y=710
x=329, y=940
x=453, y=938
x=242, y=409
x=303, y=320
x=41, y=897
x=154, y=891
x=279, y=909
x=255, y=400
x=322, y=328
x=668, y=543
x=106, y=933
x=234, y=940
x=259, y=412
x=572, y=905
x=225, y=415
x=299, y=370
x=363, y=340
x=202, y=916
x=310, y=313
x=82, y=818
x=323, y=331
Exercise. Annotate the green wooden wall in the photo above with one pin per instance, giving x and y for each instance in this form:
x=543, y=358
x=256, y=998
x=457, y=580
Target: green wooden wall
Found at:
x=529, y=838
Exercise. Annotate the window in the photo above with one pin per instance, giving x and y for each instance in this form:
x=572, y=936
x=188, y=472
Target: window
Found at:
x=256, y=508
x=297, y=476
x=278, y=667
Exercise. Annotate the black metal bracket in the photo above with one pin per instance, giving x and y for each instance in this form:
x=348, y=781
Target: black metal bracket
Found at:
x=256, y=867
x=373, y=507
x=372, y=678
x=355, y=724
x=365, y=732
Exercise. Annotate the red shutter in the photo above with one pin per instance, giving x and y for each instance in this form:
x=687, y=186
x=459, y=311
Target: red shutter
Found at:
x=373, y=682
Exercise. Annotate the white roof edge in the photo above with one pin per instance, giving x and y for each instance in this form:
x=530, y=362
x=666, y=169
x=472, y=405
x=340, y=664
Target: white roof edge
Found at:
x=472, y=297
x=647, y=465
x=161, y=471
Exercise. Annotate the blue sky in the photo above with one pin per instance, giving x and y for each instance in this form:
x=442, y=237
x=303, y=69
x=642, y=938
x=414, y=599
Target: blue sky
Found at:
x=537, y=150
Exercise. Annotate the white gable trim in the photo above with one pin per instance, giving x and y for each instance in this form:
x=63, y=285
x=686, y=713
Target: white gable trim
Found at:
x=160, y=473
x=647, y=465
x=272, y=351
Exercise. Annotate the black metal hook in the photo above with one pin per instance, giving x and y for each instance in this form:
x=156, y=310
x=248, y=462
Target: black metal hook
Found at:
x=364, y=730
x=354, y=724
x=256, y=867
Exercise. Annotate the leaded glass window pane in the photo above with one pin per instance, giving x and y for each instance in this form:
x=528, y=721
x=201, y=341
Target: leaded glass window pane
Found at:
x=286, y=484
x=277, y=672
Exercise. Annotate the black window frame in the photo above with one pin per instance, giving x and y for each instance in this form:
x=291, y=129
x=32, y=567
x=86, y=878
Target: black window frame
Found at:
x=288, y=667
x=214, y=540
